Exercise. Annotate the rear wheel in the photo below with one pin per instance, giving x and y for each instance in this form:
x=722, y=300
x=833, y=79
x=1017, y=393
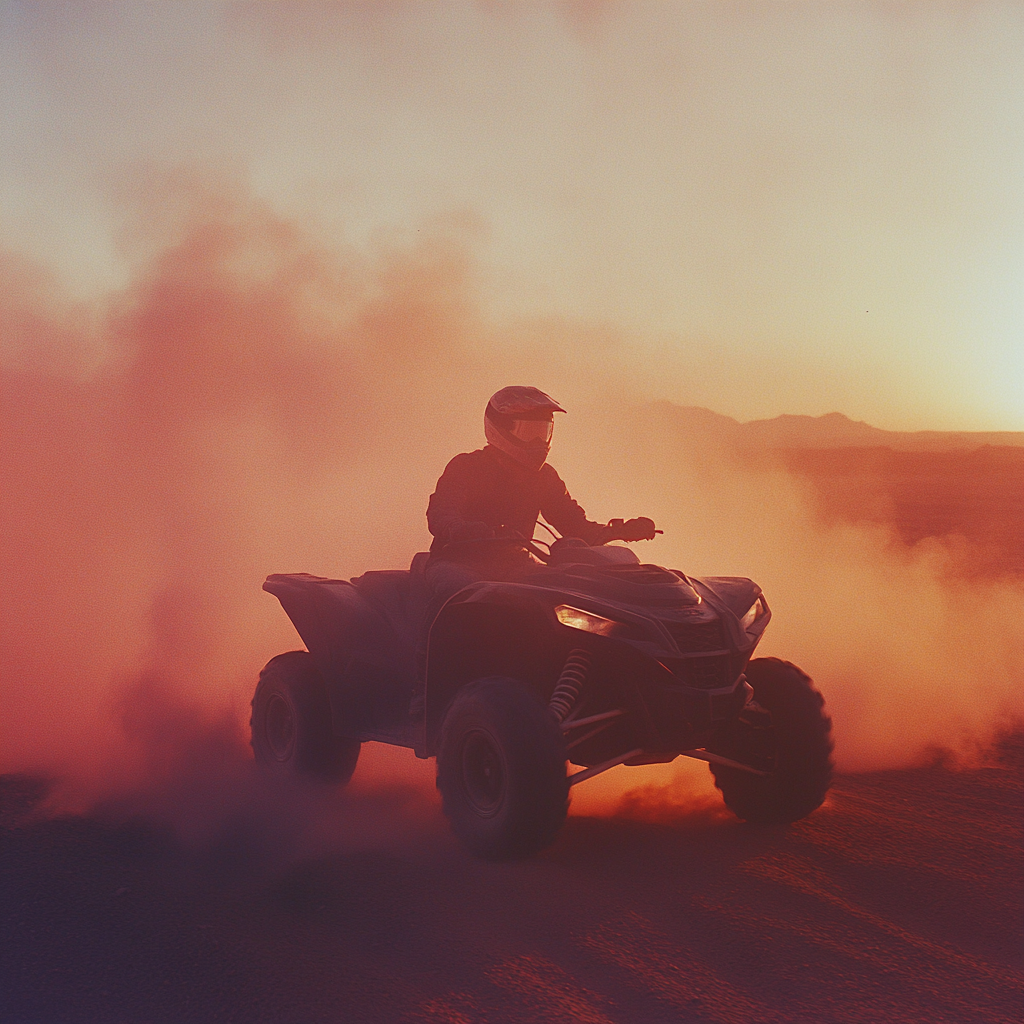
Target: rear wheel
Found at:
x=291, y=730
x=501, y=770
x=795, y=749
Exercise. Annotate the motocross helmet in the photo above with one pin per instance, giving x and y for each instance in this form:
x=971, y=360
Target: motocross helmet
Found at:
x=519, y=421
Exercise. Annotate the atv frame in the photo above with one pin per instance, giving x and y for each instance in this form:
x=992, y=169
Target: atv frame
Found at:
x=593, y=658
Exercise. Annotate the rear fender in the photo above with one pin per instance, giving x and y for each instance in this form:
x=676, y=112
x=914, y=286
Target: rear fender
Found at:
x=367, y=667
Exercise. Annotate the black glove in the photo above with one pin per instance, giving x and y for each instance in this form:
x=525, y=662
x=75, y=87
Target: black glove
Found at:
x=634, y=529
x=469, y=531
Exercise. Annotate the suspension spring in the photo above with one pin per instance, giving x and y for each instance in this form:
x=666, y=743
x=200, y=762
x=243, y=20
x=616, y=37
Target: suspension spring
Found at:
x=570, y=682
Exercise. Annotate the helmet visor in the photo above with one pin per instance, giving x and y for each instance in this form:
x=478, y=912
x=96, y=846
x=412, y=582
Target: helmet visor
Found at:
x=529, y=431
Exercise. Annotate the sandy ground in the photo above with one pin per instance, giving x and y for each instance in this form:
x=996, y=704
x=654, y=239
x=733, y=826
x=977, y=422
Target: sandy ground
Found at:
x=902, y=899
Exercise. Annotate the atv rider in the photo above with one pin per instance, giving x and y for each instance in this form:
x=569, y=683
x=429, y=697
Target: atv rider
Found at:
x=499, y=491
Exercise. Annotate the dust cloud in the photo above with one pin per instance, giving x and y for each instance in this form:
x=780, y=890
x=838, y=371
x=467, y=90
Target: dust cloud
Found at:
x=910, y=649
x=257, y=400
x=261, y=403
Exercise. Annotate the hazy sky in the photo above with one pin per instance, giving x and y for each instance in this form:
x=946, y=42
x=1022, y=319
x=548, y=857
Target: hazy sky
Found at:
x=767, y=207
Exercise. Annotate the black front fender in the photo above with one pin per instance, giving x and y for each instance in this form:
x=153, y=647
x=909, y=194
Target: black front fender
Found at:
x=503, y=635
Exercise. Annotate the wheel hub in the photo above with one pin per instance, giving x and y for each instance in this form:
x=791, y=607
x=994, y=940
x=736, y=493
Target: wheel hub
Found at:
x=483, y=774
x=279, y=729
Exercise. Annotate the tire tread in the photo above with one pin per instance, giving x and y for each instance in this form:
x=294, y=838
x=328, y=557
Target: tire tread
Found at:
x=804, y=773
x=319, y=753
x=538, y=793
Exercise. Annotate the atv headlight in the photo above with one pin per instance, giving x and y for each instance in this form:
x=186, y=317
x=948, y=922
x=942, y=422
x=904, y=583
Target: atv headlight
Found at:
x=577, y=618
x=754, y=612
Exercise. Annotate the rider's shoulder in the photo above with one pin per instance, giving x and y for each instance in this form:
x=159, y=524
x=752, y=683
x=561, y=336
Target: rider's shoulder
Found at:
x=466, y=460
x=549, y=474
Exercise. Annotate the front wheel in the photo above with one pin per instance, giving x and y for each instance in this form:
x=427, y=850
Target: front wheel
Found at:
x=291, y=726
x=501, y=770
x=795, y=749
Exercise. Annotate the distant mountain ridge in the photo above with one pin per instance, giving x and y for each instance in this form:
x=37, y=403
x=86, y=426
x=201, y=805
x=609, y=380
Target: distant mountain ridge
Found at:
x=833, y=430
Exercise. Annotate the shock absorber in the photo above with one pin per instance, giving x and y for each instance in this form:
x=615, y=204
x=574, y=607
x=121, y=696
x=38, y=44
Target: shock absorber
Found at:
x=570, y=682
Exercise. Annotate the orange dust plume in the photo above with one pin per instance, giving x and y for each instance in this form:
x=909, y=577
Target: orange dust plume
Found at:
x=253, y=402
x=259, y=401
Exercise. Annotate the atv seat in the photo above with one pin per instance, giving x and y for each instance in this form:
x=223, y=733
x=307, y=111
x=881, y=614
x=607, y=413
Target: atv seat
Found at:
x=399, y=595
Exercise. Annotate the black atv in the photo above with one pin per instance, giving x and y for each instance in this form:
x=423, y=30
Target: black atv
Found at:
x=593, y=659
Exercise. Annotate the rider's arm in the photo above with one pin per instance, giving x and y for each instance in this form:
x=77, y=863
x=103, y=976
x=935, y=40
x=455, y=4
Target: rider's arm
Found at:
x=564, y=513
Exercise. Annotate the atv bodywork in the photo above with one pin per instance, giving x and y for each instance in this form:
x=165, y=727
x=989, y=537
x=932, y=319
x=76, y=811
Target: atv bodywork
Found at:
x=635, y=663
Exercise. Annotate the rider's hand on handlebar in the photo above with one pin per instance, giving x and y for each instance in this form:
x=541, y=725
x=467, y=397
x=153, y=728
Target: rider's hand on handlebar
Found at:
x=635, y=529
x=470, y=531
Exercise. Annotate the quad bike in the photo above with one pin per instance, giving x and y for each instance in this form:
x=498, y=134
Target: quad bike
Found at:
x=593, y=659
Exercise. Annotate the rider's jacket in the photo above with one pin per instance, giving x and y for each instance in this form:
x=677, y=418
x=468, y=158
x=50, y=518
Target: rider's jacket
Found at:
x=488, y=486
